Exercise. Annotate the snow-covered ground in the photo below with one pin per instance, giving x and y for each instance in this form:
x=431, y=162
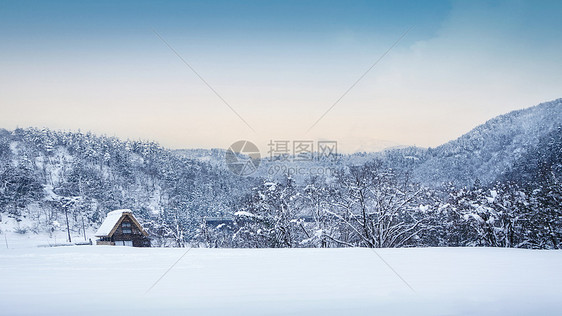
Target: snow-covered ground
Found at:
x=105, y=280
x=10, y=238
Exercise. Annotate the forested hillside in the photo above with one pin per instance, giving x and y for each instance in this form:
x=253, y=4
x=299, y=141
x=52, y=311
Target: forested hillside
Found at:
x=48, y=176
x=499, y=185
x=481, y=155
x=490, y=149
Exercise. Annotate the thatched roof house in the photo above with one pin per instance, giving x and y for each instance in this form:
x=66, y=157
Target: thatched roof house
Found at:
x=121, y=228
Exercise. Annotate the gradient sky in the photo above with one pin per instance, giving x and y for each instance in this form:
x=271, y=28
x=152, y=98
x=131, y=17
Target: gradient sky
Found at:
x=98, y=66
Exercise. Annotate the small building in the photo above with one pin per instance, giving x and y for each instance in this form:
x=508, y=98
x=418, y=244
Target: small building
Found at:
x=121, y=228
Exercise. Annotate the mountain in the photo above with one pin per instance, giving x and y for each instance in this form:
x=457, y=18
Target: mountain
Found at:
x=213, y=156
x=539, y=165
x=48, y=176
x=52, y=177
x=489, y=150
x=481, y=155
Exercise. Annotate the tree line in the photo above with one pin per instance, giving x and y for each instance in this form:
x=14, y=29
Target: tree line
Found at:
x=70, y=180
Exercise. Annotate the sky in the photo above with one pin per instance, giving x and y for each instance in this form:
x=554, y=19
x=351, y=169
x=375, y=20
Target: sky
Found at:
x=446, y=67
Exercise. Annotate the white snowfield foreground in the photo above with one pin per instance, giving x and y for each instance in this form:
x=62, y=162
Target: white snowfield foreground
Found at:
x=105, y=280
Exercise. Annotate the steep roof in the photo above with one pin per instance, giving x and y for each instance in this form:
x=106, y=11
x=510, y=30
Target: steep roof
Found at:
x=112, y=220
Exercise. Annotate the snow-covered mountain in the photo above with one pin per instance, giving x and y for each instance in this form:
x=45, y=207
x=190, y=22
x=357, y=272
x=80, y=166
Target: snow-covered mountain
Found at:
x=45, y=175
x=490, y=149
x=481, y=155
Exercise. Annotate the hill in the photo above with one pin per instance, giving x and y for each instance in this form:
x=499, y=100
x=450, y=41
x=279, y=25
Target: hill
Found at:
x=49, y=176
x=490, y=149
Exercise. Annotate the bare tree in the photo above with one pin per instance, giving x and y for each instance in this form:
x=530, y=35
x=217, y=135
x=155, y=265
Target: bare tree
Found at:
x=379, y=206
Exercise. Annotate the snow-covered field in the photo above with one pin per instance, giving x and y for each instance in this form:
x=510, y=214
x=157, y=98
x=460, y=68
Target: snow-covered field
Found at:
x=104, y=280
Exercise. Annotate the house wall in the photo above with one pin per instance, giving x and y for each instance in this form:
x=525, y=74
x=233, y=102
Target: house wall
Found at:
x=136, y=236
x=105, y=243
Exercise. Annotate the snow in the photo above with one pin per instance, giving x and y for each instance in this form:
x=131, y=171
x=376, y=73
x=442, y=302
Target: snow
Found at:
x=493, y=196
x=110, y=221
x=24, y=233
x=244, y=213
x=271, y=185
x=105, y=280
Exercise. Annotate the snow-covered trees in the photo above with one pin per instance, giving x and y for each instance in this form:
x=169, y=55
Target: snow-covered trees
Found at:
x=546, y=214
x=43, y=167
x=269, y=216
x=368, y=205
x=379, y=207
x=75, y=178
x=494, y=217
x=18, y=188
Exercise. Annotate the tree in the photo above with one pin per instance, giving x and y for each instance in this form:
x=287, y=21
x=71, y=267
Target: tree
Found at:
x=19, y=188
x=268, y=217
x=379, y=206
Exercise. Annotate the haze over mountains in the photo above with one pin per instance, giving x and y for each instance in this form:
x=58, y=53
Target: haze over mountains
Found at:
x=484, y=153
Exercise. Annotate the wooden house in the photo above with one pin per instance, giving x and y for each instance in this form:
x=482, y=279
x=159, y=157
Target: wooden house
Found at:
x=121, y=228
